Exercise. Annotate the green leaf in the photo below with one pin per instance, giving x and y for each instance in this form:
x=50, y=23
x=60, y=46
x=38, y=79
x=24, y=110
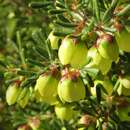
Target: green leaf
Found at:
x=55, y=11
x=87, y=29
x=90, y=80
x=96, y=9
x=99, y=125
x=60, y=5
x=29, y=81
x=64, y=24
x=37, y=51
x=98, y=92
x=34, y=62
x=3, y=64
x=62, y=18
x=62, y=33
x=124, y=11
x=109, y=12
x=104, y=90
x=39, y=38
x=49, y=50
x=42, y=51
x=21, y=49
x=39, y=4
x=91, y=71
x=116, y=86
x=1, y=75
x=9, y=81
x=25, y=72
